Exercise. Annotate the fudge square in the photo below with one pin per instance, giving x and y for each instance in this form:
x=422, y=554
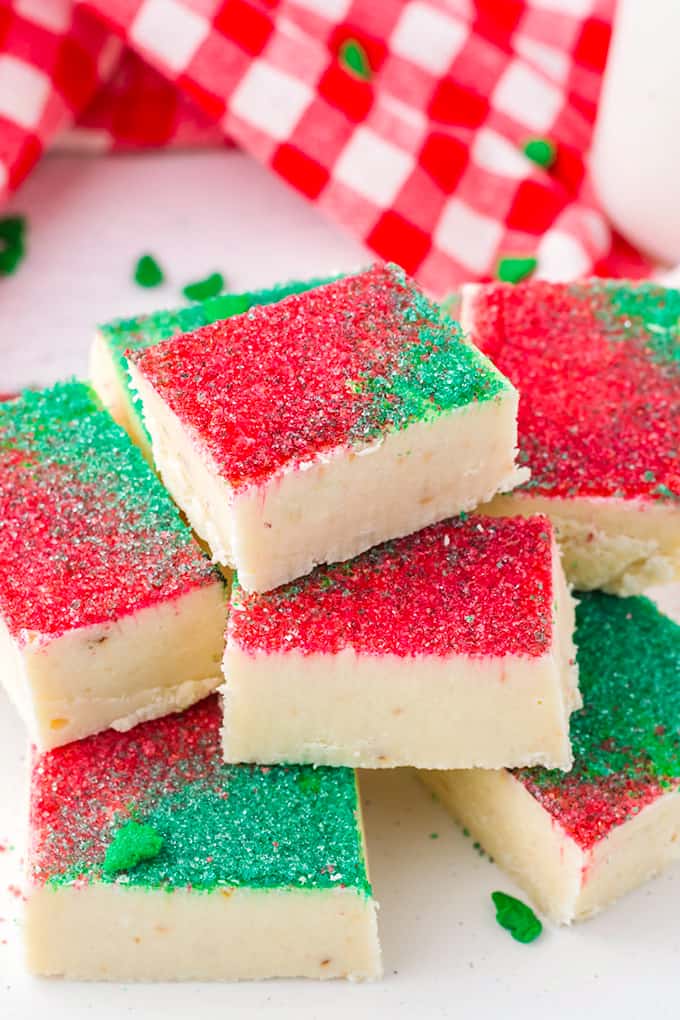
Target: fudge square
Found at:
x=310, y=430
x=109, y=611
x=108, y=364
x=448, y=648
x=578, y=841
x=149, y=859
x=597, y=365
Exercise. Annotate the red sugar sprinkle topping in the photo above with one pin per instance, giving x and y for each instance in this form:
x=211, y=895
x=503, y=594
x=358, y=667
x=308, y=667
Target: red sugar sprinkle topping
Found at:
x=589, y=810
x=87, y=532
x=334, y=366
x=77, y=790
x=477, y=586
x=599, y=412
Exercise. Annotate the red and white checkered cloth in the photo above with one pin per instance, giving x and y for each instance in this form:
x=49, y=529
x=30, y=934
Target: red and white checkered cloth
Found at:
x=423, y=162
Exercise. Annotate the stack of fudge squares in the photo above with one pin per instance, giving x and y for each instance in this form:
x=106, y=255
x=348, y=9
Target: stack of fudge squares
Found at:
x=378, y=507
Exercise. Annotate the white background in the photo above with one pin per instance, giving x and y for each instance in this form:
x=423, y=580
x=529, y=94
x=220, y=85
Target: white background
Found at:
x=444, y=955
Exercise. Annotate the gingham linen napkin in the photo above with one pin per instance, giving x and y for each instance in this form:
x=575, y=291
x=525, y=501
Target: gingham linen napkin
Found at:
x=419, y=153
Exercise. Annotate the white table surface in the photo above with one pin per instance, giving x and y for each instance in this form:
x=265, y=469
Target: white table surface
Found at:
x=444, y=954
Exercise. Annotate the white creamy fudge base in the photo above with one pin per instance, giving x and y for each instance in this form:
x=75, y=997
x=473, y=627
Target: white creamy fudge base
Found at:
x=388, y=710
x=620, y=546
x=158, y=660
x=118, y=933
x=565, y=882
x=114, y=395
x=334, y=508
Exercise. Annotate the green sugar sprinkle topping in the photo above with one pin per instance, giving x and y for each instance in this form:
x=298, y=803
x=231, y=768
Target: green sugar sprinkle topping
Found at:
x=354, y=59
x=12, y=243
x=132, y=844
x=516, y=917
x=513, y=269
x=650, y=307
x=541, y=151
x=159, y=809
x=209, y=286
x=629, y=670
x=66, y=425
x=430, y=377
x=148, y=273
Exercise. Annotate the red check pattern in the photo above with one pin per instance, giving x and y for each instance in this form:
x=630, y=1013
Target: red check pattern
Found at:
x=423, y=162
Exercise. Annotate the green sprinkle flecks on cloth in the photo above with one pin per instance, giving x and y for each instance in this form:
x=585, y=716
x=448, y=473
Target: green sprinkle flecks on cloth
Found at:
x=516, y=917
x=514, y=269
x=209, y=287
x=148, y=273
x=434, y=835
x=12, y=243
x=354, y=59
x=541, y=151
x=132, y=844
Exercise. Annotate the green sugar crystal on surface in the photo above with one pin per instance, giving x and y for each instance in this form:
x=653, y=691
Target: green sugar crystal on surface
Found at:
x=66, y=425
x=629, y=669
x=148, y=273
x=515, y=269
x=12, y=243
x=209, y=286
x=541, y=151
x=648, y=307
x=435, y=375
x=132, y=844
x=354, y=59
x=516, y=917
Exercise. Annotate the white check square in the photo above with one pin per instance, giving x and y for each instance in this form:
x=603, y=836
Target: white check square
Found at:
x=170, y=31
x=54, y=15
x=270, y=100
x=524, y=94
x=428, y=38
x=468, y=236
x=494, y=153
x=23, y=91
x=561, y=257
x=372, y=167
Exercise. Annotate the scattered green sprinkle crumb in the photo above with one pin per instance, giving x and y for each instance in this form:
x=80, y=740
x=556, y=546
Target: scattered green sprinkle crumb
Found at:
x=206, y=288
x=649, y=476
x=12, y=243
x=354, y=59
x=541, y=151
x=434, y=835
x=309, y=783
x=663, y=490
x=516, y=917
x=512, y=269
x=466, y=832
x=148, y=273
x=131, y=844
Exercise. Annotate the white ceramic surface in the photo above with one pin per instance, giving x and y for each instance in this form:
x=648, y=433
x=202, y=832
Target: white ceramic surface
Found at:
x=444, y=954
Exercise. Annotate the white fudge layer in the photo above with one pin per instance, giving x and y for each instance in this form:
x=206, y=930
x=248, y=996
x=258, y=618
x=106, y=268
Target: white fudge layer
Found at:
x=158, y=660
x=335, y=507
x=118, y=933
x=565, y=882
x=114, y=395
x=620, y=546
x=379, y=711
